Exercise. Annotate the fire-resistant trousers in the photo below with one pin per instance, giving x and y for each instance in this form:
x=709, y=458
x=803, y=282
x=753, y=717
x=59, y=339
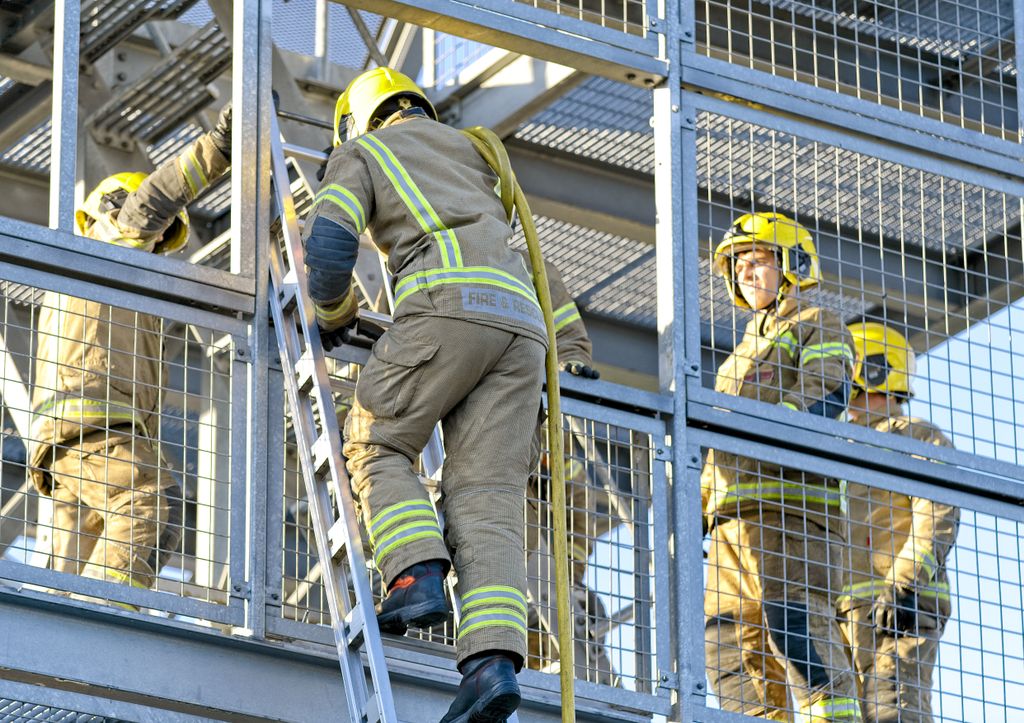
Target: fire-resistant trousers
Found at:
x=770, y=622
x=483, y=384
x=894, y=671
x=111, y=507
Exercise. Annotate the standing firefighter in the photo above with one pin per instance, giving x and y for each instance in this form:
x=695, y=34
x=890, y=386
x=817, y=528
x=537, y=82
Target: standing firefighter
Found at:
x=897, y=602
x=467, y=348
x=97, y=384
x=777, y=535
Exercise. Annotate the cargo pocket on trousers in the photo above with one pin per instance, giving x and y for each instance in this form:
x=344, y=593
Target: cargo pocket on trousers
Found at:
x=389, y=380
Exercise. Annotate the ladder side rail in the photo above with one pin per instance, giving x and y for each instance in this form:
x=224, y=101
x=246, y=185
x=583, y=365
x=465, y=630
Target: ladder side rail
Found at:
x=328, y=447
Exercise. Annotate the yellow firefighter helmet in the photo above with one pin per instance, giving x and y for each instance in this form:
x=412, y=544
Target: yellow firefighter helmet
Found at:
x=366, y=93
x=885, y=360
x=797, y=254
x=111, y=193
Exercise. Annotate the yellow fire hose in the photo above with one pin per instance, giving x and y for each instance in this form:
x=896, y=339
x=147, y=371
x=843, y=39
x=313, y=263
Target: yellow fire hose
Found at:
x=493, y=151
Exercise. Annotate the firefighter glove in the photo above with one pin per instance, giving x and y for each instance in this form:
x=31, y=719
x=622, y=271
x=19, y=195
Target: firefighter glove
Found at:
x=895, y=610
x=337, y=320
x=336, y=337
x=323, y=166
x=221, y=133
x=579, y=369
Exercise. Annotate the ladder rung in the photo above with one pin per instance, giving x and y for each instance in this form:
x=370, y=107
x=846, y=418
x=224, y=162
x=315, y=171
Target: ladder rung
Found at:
x=355, y=627
x=371, y=713
x=288, y=298
x=344, y=387
x=321, y=455
x=305, y=369
x=338, y=539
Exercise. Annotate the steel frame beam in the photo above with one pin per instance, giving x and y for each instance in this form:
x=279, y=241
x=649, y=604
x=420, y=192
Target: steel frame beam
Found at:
x=538, y=33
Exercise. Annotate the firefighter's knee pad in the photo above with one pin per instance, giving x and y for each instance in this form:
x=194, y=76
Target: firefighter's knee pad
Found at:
x=788, y=628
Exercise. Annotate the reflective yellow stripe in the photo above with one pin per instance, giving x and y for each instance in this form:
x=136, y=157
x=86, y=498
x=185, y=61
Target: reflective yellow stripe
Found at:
x=492, y=617
x=484, y=275
x=193, y=172
x=870, y=589
x=339, y=310
x=391, y=514
x=187, y=173
x=91, y=409
x=830, y=709
x=451, y=254
x=505, y=591
x=821, y=351
x=790, y=405
x=776, y=491
x=565, y=315
x=928, y=561
x=346, y=201
x=436, y=533
x=499, y=600
x=787, y=341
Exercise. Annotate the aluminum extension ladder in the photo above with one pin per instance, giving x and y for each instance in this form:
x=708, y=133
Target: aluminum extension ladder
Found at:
x=318, y=439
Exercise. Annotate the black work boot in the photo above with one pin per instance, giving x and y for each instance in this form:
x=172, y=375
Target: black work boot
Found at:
x=488, y=693
x=415, y=597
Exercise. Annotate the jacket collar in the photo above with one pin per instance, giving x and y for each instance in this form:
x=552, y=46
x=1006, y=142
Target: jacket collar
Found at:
x=403, y=115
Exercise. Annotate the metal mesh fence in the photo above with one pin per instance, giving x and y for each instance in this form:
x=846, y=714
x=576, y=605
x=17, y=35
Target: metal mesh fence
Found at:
x=951, y=61
x=935, y=259
x=124, y=418
x=452, y=55
x=927, y=597
x=627, y=16
x=610, y=472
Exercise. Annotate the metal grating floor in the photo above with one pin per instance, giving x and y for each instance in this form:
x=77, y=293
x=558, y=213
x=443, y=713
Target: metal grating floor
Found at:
x=795, y=174
x=14, y=711
x=31, y=153
x=106, y=23
x=954, y=30
x=607, y=122
x=601, y=120
x=161, y=99
x=614, y=277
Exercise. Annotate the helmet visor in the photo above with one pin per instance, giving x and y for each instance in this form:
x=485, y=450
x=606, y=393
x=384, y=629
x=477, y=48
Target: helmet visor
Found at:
x=876, y=370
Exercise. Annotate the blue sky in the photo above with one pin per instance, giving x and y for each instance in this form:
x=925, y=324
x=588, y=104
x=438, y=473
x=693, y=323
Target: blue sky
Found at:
x=972, y=386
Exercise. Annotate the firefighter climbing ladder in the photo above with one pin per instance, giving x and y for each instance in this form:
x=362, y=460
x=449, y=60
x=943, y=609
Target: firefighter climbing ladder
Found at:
x=335, y=526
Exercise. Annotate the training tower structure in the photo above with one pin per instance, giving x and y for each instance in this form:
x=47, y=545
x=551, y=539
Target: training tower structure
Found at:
x=639, y=129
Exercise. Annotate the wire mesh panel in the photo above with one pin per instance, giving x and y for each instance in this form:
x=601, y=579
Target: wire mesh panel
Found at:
x=452, y=55
x=610, y=471
x=942, y=59
x=827, y=594
x=934, y=260
x=626, y=16
x=117, y=454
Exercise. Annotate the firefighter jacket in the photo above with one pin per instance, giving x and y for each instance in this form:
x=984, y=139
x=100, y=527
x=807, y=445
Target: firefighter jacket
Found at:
x=800, y=357
x=900, y=540
x=98, y=366
x=430, y=204
x=571, y=338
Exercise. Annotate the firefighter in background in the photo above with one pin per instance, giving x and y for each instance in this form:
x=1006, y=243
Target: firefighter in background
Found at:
x=581, y=524
x=467, y=349
x=97, y=382
x=897, y=601
x=574, y=356
x=777, y=535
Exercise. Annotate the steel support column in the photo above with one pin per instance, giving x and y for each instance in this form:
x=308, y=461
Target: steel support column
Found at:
x=64, y=124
